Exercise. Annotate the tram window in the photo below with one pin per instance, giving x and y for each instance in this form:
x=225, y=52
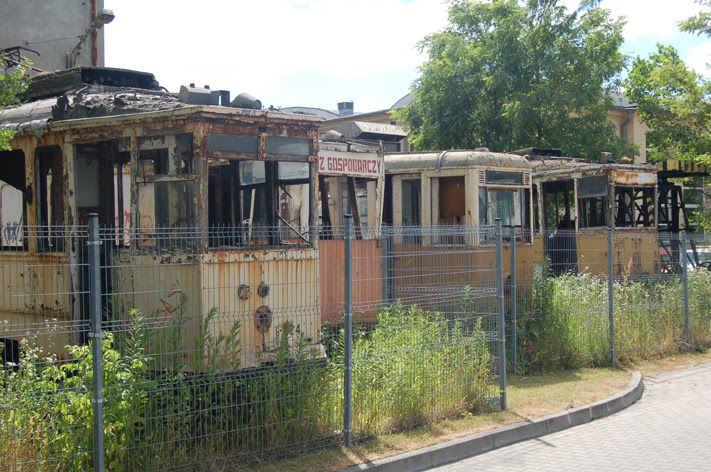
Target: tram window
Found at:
x=493, y=177
x=12, y=199
x=592, y=201
x=167, y=193
x=411, y=202
x=293, y=211
x=592, y=212
x=506, y=204
x=50, y=197
x=361, y=190
x=451, y=200
x=152, y=163
x=259, y=202
x=634, y=207
x=174, y=207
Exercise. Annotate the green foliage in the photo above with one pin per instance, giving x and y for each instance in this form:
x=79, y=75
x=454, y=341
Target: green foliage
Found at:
x=508, y=75
x=417, y=366
x=699, y=23
x=568, y=325
x=673, y=101
x=183, y=410
x=11, y=85
x=558, y=333
x=46, y=408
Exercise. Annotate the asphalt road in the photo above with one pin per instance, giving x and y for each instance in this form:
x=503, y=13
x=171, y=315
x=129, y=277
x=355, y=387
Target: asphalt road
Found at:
x=669, y=428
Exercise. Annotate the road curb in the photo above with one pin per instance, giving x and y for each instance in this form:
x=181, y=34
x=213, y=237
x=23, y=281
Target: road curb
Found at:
x=458, y=449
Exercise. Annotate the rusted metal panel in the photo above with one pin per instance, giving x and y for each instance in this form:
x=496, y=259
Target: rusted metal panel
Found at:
x=431, y=276
x=636, y=179
x=635, y=252
x=367, y=280
x=285, y=281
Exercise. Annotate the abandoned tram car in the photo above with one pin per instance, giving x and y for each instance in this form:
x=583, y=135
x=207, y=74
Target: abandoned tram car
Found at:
x=466, y=191
x=205, y=208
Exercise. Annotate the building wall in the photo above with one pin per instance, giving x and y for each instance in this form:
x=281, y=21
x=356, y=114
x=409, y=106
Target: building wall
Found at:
x=381, y=116
x=52, y=28
x=636, y=131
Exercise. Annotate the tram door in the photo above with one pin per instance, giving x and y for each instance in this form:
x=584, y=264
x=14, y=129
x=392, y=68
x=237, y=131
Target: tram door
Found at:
x=96, y=170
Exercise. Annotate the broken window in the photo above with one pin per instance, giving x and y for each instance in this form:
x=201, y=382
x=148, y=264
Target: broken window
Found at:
x=634, y=207
x=452, y=203
x=12, y=199
x=259, y=202
x=592, y=212
x=411, y=197
x=293, y=212
x=337, y=197
x=592, y=201
x=49, y=170
x=558, y=198
x=167, y=189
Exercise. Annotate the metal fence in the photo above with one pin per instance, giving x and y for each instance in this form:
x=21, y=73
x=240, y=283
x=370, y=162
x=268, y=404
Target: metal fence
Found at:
x=223, y=346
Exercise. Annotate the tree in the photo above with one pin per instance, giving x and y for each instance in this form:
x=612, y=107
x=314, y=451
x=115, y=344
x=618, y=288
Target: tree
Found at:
x=508, y=75
x=699, y=23
x=673, y=101
x=11, y=85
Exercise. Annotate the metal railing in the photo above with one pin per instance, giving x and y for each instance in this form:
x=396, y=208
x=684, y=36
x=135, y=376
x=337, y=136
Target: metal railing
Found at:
x=217, y=351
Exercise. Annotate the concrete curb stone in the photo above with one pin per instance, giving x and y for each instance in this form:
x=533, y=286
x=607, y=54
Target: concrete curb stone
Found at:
x=451, y=451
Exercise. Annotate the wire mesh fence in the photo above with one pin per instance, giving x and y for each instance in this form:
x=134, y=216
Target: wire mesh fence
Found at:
x=222, y=346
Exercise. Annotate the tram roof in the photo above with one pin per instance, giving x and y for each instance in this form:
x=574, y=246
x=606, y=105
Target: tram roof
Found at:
x=453, y=159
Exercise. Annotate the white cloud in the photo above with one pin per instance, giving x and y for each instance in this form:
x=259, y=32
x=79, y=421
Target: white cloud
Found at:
x=651, y=18
x=255, y=42
x=699, y=58
x=253, y=46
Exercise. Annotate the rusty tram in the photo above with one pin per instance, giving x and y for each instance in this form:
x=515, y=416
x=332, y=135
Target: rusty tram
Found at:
x=455, y=190
x=205, y=205
x=215, y=206
x=576, y=201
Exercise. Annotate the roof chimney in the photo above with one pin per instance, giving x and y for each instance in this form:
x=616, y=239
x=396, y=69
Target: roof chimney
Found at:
x=345, y=108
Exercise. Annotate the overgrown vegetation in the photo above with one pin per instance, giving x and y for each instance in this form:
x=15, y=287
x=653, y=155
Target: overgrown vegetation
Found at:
x=188, y=406
x=193, y=403
x=568, y=324
x=417, y=366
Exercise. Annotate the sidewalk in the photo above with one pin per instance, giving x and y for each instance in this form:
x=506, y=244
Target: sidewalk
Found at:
x=458, y=449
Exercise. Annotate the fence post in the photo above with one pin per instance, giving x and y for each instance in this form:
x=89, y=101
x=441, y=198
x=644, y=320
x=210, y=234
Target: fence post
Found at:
x=385, y=247
x=95, y=335
x=501, y=314
x=685, y=277
x=348, y=348
x=514, y=330
x=611, y=294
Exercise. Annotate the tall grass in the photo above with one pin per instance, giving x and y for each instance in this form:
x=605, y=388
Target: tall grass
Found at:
x=568, y=322
x=167, y=409
x=417, y=366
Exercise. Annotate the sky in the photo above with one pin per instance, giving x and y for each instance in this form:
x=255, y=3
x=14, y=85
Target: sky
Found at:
x=317, y=53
